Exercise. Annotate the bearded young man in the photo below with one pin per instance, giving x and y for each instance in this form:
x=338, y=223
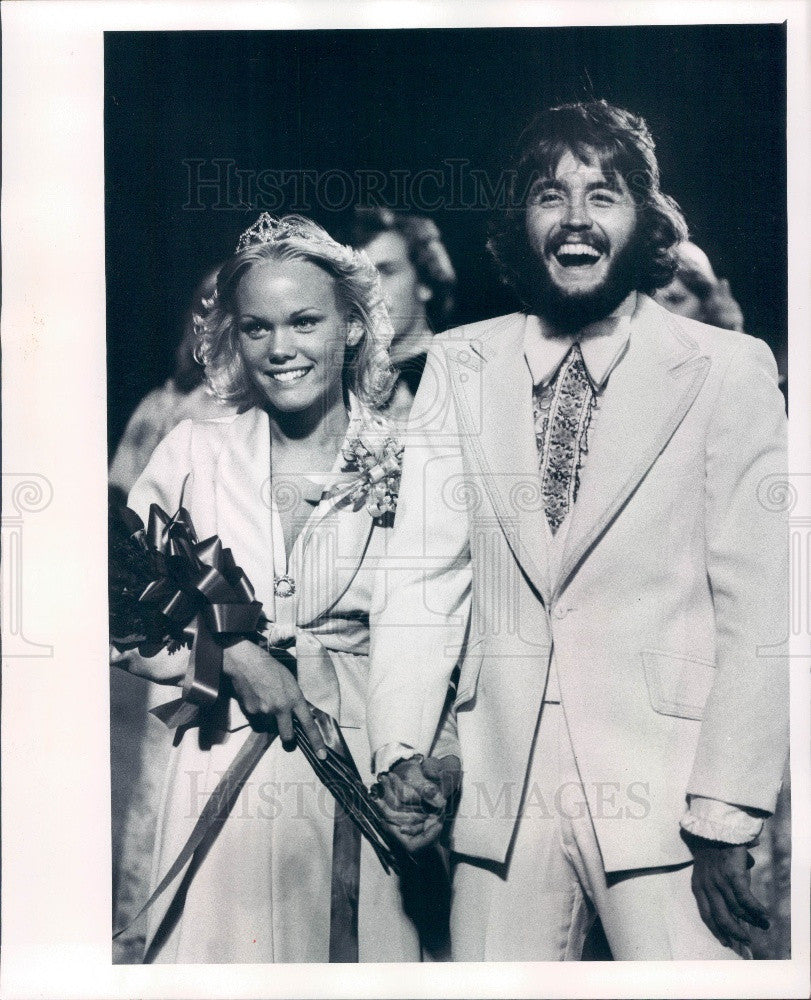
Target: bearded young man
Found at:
x=581, y=530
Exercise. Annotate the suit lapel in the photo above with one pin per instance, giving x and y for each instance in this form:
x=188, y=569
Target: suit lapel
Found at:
x=495, y=410
x=648, y=394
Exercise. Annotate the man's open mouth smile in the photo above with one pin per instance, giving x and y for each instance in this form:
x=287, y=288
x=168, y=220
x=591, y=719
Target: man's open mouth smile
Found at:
x=577, y=255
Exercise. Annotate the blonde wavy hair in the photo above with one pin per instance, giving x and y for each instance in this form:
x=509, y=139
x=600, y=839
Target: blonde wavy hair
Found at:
x=367, y=367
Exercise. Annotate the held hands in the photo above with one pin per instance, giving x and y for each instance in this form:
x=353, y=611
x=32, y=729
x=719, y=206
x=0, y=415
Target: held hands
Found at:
x=414, y=798
x=721, y=886
x=266, y=689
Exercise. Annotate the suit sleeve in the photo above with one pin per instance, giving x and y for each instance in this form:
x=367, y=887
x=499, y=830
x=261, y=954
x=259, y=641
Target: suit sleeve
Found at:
x=163, y=482
x=421, y=605
x=743, y=741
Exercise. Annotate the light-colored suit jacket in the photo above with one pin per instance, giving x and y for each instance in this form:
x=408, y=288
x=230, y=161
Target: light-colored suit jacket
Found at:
x=667, y=617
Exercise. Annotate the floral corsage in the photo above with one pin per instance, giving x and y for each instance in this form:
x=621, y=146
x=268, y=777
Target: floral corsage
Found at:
x=373, y=464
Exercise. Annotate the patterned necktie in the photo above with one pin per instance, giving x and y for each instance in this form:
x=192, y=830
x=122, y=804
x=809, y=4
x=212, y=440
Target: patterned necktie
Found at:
x=562, y=410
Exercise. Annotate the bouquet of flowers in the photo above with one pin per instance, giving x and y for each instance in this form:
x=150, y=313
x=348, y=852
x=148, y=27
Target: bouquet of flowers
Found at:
x=168, y=590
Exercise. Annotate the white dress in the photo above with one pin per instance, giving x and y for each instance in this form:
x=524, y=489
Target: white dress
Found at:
x=261, y=891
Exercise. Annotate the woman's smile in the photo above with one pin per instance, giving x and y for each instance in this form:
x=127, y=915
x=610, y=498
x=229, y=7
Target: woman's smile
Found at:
x=292, y=335
x=289, y=375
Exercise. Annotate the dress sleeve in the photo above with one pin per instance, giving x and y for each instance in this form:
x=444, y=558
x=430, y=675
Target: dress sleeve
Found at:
x=166, y=475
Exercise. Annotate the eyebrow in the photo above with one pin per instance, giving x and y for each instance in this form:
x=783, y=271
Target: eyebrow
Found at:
x=297, y=312
x=552, y=184
x=606, y=182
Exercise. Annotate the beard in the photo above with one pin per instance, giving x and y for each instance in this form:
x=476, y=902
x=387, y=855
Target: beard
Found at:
x=571, y=311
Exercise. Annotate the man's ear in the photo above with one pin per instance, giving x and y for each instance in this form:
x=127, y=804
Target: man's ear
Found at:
x=354, y=332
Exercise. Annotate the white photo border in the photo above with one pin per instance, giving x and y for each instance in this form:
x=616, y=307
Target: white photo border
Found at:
x=56, y=864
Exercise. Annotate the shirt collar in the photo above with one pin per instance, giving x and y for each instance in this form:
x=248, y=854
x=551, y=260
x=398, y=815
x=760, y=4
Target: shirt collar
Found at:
x=602, y=344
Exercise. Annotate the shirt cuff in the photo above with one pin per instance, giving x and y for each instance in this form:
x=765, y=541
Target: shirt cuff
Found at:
x=385, y=758
x=715, y=820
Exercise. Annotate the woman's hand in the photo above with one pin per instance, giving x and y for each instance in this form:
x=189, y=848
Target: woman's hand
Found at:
x=264, y=687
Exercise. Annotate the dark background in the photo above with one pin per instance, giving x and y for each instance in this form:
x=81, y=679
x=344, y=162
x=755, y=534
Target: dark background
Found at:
x=714, y=97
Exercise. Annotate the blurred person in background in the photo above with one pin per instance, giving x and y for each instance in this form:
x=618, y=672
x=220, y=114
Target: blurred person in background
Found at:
x=418, y=281
x=696, y=292
x=183, y=396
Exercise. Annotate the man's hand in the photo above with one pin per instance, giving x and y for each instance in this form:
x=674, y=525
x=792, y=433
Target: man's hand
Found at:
x=721, y=887
x=414, y=798
x=266, y=689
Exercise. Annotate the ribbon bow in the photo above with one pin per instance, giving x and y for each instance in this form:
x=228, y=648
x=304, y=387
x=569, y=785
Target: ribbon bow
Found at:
x=198, y=596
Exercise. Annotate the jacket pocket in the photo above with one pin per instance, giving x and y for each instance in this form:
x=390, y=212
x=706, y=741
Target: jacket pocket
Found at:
x=677, y=685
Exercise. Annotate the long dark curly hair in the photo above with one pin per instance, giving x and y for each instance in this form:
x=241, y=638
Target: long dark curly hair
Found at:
x=623, y=146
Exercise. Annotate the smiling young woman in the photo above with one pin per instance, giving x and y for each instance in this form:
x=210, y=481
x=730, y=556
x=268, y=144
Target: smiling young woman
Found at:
x=296, y=337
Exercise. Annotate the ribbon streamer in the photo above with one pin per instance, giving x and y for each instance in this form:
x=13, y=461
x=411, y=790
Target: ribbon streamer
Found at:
x=355, y=814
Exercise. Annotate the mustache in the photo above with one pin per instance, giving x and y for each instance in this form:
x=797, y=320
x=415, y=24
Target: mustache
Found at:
x=594, y=240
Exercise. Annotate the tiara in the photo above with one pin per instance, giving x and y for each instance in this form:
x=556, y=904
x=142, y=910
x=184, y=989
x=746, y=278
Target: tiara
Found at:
x=269, y=229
